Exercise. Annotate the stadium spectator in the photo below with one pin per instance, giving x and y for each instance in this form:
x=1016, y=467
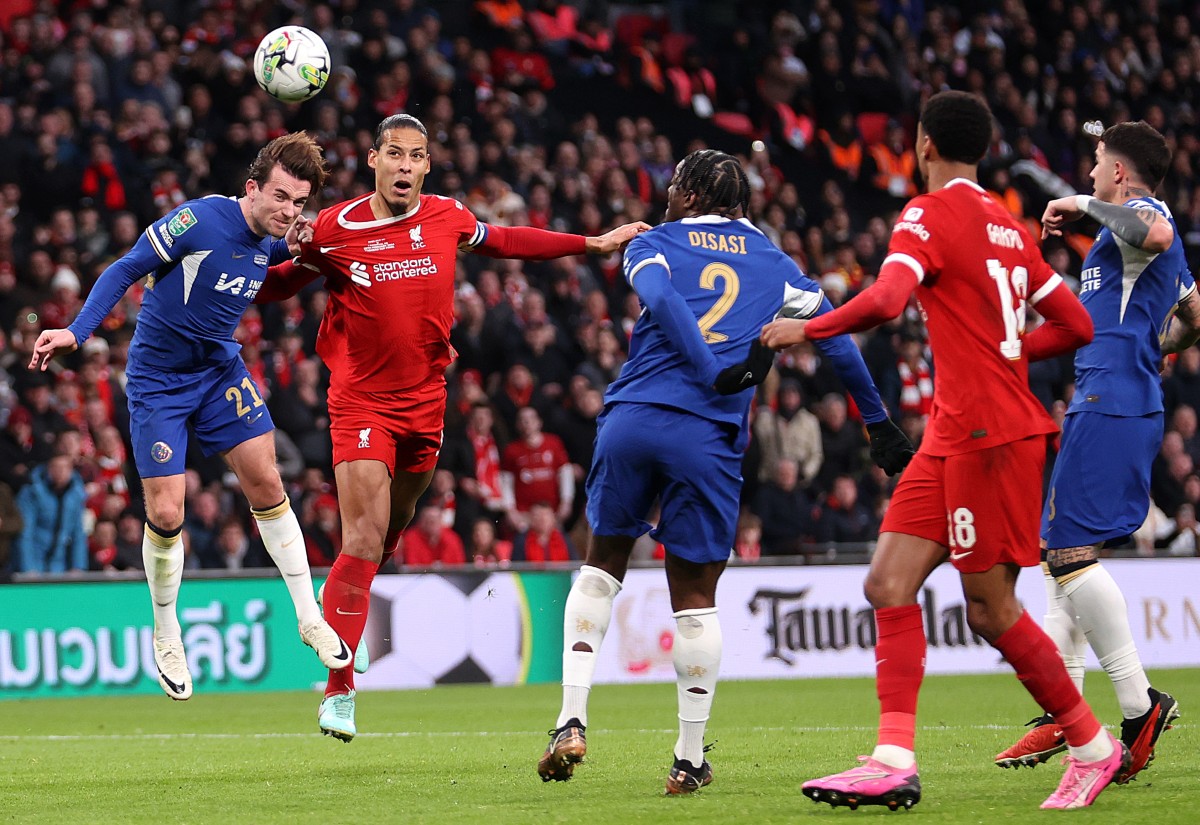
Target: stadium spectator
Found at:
x=842, y=441
x=788, y=431
x=19, y=452
x=482, y=483
x=536, y=468
x=485, y=549
x=747, y=543
x=52, y=539
x=844, y=518
x=203, y=523
x=429, y=542
x=323, y=531
x=786, y=512
x=543, y=540
x=130, y=532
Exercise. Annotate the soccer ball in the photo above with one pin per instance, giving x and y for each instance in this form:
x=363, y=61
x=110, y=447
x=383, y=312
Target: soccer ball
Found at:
x=292, y=64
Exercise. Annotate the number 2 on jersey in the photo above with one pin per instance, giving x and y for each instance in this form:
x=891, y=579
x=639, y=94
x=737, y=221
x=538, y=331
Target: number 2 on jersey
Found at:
x=1013, y=316
x=731, y=285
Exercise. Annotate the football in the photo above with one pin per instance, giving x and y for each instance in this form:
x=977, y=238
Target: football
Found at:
x=292, y=64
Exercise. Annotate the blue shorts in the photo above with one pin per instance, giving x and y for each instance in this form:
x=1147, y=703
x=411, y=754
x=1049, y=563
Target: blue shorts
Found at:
x=693, y=465
x=222, y=403
x=1100, y=486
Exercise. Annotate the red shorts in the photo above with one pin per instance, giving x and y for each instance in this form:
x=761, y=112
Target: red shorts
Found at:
x=985, y=506
x=401, y=429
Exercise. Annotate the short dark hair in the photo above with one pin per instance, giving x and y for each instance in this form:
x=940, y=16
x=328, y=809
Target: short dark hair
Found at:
x=959, y=124
x=1142, y=148
x=398, y=121
x=298, y=154
x=718, y=181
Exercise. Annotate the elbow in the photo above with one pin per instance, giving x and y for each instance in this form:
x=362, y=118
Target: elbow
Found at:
x=1160, y=237
x=886, y=307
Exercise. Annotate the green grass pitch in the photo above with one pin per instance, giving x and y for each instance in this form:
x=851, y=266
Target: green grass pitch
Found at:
x=468, y=754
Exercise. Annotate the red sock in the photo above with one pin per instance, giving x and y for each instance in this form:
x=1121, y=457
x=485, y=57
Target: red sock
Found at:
x=1040, y=668
x=347, y=598
x=899, y=668
x=391, y=543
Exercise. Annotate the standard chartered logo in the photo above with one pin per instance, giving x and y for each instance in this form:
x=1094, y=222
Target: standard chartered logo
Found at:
x=406, y=268
x=219, y=649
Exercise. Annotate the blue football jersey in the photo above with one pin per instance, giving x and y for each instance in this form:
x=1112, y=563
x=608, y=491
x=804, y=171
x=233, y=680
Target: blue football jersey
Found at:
x=1130, y=294
x=734, y=281
x=203, y=266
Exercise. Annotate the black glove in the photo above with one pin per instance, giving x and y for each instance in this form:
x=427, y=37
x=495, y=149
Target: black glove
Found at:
x=749, y=373
x=890, y=447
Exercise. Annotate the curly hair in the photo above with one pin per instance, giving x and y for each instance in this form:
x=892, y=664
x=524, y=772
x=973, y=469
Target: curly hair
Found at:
x=718, y=181
x=959, y=124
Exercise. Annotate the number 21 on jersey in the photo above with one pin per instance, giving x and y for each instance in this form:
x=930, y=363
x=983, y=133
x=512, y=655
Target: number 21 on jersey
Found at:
x=1014, y=289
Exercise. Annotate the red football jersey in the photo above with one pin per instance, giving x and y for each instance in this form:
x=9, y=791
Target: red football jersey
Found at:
x=535, y=471
x=978, y=270
x=391, y=290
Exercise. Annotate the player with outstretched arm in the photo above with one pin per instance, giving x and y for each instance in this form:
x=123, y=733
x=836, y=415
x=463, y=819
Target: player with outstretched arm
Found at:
x=204, y=262
x=1135, y=278
x=389, y=260
x=973, y=493
x=674, y=428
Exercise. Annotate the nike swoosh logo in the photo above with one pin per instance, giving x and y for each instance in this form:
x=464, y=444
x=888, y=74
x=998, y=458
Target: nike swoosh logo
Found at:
x=878, y=662
x=341, y=612
x=873, y=775
x=345, y=655
x=250, y=420
x=172, y=685
x=237, y=256
x=957, y=556
x=325, y=250
x=288, y=544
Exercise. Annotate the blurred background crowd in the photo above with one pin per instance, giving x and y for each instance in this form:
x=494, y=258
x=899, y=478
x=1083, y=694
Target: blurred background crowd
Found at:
x=560, y=115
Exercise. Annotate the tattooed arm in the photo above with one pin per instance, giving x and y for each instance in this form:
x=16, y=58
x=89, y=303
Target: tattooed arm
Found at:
x=1183, y=330
x=1139, y=226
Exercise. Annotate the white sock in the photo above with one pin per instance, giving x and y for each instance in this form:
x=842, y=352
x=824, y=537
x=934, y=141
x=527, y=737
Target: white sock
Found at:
x=280, y=531
x=1060, y=625
x=1100, y=747
x=1104, y=618
x=894, y=756
x=163, y=560
x=697, y=656
x=585, y=619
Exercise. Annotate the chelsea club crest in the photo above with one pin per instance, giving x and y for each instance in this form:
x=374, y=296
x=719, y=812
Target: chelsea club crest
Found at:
x=161, y=453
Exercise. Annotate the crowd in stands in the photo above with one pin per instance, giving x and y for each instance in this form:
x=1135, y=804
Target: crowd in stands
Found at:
x=560, y=115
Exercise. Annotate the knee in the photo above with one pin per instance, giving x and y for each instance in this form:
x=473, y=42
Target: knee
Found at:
x=990, y=621
x=363, y=539
x=165, y=515
x=887, y=592
x=262, y=489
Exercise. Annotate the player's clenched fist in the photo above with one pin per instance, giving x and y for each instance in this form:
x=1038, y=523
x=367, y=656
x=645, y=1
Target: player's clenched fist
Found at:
x=1058, y=212
x=615, y=239
x=783, y=333
x=49, y=344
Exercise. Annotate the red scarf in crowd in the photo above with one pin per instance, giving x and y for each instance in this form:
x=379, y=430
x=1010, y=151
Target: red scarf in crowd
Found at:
x=487, y=464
